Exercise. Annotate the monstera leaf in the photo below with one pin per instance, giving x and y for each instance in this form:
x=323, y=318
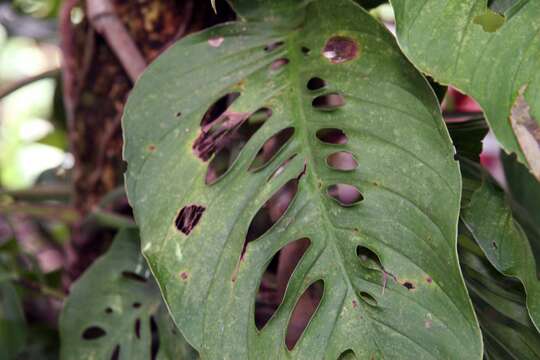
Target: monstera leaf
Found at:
x=115, y=311
x=300, y=121
x=500, y=304
x=490, y=56
x=491, y=223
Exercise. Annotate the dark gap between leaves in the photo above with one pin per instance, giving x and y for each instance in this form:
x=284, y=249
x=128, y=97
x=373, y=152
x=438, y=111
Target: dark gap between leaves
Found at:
x=133, y=276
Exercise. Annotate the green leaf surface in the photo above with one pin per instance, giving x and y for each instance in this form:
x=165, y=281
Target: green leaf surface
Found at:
x=409, y=300
x=490, y=221
x=12, y=322
x=115, y=311
x=493, y=58
x=500, y=304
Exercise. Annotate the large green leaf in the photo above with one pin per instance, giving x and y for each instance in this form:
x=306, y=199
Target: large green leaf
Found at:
x=492, y=58
x=407, y=299
x=115, y=311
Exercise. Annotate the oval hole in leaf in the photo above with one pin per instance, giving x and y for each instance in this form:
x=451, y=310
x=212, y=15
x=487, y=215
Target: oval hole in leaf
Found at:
x=332, y=136
x=154, y=331
x=347, y=355
x=188, y=218
x=138, y=328
x=230, y=150
x=272, y=210
x=281, y=168
x=305, y=50
x=270, y=148
x=342, y=160
x=273, y=46
x=276, y=278
x=368, y=258
x=218, y=108
x=278, y=64
x=328, y=102
x=315, y=83
x=116, y=353
x=93, y=332
x=345, y=194
x=339, y=49
x=304, y=310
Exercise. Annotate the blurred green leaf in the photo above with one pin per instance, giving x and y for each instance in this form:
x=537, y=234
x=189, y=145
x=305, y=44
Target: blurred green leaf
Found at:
x=116, y=308
x=12, y=322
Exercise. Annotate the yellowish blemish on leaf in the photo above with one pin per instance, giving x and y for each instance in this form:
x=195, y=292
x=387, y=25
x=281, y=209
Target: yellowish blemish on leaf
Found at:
x=527, y=131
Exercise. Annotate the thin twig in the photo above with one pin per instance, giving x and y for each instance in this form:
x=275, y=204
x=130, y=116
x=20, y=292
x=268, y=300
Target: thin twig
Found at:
x=11, y=88
x=42, y=289
x=40, y=192
x=104, y=20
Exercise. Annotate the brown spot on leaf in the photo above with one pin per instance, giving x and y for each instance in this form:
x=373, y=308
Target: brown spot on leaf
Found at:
x=354, y=304
x=429, y=280
x=215, y=134
x=340, y=49
x=184, y=275
x=527, y=131
x=188, y=218
x=152, y=148
x=408, y=285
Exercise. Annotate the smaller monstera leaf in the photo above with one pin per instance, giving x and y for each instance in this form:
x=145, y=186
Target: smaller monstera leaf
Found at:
x=499, y=302
x=302, y=121
x=490, y=56
x=115, y=311
x=488, y=217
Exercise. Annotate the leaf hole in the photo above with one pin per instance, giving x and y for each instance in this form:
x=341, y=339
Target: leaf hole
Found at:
x=136, y=305
x=332, y=136
x=216, y=41
x=270, y=148
x=305, y=50
x=93, y=332
x=281, y=168
x=154, y=345
x=303, y=312
x=219, y=107
x=273, y=46
x=234, y=143
x=130, y=275
x=178, y=114
x=368, y=258
x=342, y=160
x=138, y=328
x=188, y=218
x=347, y=355
x=346, y=195
x=340, y=49
x=116, y=353
x=328, y=102
x=279, y=63
x=276, y=278
x=108, y=310
x=315, y=83
x=272, y=210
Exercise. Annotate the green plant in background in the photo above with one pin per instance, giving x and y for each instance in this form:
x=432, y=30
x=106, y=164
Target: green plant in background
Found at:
x=297, y=193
